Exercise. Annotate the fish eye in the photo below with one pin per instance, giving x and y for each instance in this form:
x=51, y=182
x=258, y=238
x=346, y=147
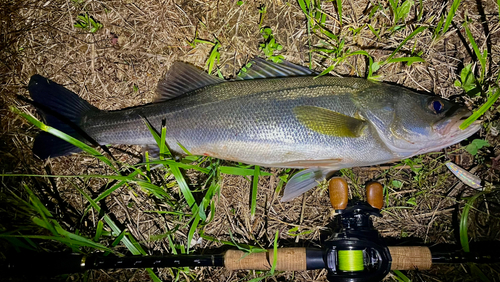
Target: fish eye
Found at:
x=436, y=106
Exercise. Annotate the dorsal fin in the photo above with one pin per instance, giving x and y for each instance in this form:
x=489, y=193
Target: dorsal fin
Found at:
x=259, y=68
x=182, y=78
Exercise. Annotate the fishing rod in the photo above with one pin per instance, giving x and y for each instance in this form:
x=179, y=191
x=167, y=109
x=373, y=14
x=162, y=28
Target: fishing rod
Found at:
x=357, y=253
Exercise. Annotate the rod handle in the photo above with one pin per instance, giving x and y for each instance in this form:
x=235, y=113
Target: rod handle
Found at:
x=289, y=259
x=410, y=258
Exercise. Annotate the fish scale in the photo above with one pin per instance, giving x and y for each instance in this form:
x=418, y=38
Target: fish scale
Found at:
x=256, y=127
x=286, y=118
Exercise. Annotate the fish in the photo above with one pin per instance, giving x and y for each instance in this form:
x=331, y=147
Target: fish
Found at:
x=272, y=115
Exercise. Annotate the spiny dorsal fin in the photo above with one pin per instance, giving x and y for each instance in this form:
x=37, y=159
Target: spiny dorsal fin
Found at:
x=260, y=68
x=183, y=78
x=329, y=122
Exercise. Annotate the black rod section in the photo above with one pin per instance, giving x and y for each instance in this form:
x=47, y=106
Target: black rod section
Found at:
x=462, y=257
x=57, y=263
x=104, y=262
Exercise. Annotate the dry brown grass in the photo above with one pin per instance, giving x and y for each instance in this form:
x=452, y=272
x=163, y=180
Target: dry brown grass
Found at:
x=140, y=40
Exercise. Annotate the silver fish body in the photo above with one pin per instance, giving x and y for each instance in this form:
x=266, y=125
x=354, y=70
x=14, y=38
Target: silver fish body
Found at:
x=325, y=123
x=252, y=121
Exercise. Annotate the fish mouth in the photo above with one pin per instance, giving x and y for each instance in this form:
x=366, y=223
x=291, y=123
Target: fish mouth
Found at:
x=450, y=130
x=451, y=126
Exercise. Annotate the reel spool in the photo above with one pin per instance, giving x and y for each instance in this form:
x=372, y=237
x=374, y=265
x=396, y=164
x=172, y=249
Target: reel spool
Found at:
x=351, y=260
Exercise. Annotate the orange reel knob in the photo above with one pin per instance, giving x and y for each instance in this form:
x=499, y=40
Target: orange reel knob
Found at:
x=375, y=195
x=338, y=189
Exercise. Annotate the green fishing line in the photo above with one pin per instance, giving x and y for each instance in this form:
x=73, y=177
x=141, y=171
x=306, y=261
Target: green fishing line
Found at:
x=351, y=260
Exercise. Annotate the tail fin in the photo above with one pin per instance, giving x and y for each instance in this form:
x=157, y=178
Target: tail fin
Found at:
x=61, y=109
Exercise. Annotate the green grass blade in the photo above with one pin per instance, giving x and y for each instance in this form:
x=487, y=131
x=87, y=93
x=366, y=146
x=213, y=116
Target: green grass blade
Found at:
x=43, y=212
x=275, y=253
x=118, y=239
x=81, y=242
x=327, y=70
x=498, y=4
x=477, y=114
x=400, y=276
x=152, y=130
x=136, y=244
x=479, y=55
x=339, y=10
x=186, y=192
x=306, y=5
x=257, y=279
x=437, y=31
x=241, y=171
x=184, y=149
x=65, y=137
x=303, y=6
x=166, y=212
x=112, y=189
x=181, y=165
x=153, y=275
x=163, y=147
x=464, y=238
x=191, y=232
x=376, y=33
x=159, y=139
x=148, y=167
x=207, y=200
x=255, y=186
x=451, y=14
x=157, y=191
x=477, y=272
x=116, y=230
x=420, y=11
x=214, y=57
x=98, y=232
x=44, y=223
x=415, y=32
x=409, y=60
x=17, y=243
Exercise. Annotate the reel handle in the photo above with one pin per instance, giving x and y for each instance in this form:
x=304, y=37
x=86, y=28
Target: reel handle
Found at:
x=375, y=195
x=339, y=193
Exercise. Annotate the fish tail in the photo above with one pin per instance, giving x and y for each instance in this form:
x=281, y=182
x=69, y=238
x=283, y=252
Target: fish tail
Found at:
x=60, y=109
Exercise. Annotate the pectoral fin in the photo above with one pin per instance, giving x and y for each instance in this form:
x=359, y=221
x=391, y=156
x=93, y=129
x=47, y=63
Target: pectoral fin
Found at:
x=329, y=122
x=304, y=181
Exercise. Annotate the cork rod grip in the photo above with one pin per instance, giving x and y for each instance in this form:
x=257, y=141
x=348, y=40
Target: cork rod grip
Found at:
x=409, y=258
x=289, y=259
